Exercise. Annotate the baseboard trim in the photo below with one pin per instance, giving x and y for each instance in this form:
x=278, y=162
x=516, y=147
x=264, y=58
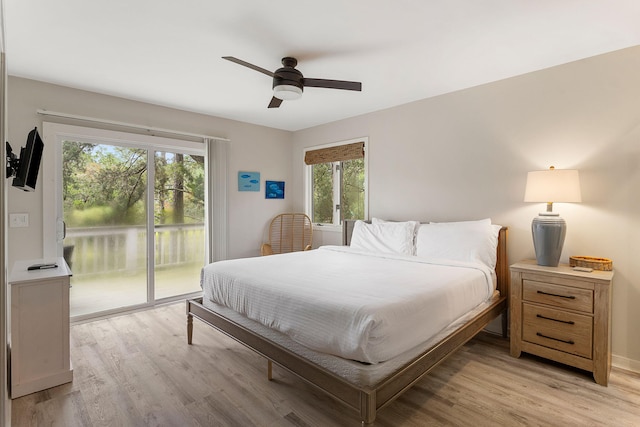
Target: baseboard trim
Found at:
x=625, y=363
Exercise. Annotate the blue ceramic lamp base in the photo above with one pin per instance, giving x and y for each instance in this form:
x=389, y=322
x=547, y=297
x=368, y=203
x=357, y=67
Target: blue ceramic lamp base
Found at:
x=548, y=231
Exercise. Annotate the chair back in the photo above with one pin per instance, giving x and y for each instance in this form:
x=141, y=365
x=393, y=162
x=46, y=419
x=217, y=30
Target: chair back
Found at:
x=289, y=232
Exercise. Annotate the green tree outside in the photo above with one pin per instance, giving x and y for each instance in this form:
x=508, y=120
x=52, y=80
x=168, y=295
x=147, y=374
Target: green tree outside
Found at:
x=106, y=185
x=351, y=190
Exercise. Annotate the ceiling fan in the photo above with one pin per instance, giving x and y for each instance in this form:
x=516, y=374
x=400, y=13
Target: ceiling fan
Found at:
x=288, y=83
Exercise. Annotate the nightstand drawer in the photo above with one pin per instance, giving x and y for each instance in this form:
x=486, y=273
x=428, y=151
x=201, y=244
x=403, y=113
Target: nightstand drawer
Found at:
x=558, y=295
x=560, y=330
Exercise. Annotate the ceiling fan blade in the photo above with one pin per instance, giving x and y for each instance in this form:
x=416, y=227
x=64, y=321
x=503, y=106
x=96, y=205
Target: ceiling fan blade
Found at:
x=333, y=84
x=246, y=64
x=275, y=102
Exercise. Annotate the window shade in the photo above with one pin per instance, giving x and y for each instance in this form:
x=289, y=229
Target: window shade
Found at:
x=338, y=153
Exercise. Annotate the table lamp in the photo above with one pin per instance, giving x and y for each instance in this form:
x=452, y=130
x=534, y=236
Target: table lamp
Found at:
x=548, y=229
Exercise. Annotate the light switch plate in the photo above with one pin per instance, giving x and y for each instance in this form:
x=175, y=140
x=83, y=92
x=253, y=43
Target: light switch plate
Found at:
x=18, y=220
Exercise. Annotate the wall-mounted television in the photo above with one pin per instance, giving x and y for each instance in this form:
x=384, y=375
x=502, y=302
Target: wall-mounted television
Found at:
x=26, y=167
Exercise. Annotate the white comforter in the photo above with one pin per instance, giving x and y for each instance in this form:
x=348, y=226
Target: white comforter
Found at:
x=360, y=306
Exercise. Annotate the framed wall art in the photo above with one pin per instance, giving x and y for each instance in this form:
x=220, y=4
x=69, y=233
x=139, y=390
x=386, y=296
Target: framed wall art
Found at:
x=248, y=181
x=274, y=190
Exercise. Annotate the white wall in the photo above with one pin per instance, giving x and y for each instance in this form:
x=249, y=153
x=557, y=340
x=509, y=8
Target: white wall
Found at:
x=5, y=295
x=252, y=148
x=465, y=155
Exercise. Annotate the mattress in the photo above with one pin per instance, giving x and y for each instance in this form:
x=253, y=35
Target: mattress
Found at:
x=355, y=305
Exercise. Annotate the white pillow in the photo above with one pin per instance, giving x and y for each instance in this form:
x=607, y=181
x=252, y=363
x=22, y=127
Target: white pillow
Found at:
x=468, y=241
x=414, y=224
x=387, y=237
x=465, y=223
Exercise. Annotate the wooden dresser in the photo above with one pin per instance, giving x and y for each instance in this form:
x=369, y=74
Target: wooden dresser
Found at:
x=563, y=315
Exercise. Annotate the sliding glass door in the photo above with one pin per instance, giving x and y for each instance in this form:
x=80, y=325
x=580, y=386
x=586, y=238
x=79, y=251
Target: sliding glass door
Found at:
x=133, y=220
x=179, y=246
x=104, y=204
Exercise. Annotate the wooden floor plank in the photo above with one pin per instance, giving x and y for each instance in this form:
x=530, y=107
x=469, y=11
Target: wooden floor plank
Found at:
x=137, y=370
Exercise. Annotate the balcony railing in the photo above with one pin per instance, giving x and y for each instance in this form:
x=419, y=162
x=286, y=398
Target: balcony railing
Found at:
x=97, y=250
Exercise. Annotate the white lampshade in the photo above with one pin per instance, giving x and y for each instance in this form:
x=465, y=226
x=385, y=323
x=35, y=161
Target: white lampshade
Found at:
x=553, y=185
x=548, y=229
x=287, y=92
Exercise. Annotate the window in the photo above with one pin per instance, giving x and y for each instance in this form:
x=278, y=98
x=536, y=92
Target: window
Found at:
x=337, y=177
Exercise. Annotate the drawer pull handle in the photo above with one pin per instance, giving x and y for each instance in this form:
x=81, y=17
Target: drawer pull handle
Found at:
x=556, y=295
x=555, y=339
x=568, y=322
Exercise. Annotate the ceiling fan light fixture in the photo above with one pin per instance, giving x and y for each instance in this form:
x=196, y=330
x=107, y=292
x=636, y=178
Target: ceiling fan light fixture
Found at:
x=287, y=92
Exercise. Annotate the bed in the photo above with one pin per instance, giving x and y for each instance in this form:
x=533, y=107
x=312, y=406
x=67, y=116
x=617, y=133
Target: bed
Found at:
x=370, y=363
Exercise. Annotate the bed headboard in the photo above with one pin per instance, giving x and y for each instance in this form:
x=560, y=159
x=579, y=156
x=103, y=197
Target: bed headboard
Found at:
x=347, y=231
x=502, y=264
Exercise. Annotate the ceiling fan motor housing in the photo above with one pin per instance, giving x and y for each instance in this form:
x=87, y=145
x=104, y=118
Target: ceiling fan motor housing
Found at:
x=288, y=76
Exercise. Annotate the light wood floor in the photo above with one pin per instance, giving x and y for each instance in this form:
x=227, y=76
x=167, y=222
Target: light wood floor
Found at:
x=137, y=370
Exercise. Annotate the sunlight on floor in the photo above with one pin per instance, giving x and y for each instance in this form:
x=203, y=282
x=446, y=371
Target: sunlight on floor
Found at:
x=91, y=294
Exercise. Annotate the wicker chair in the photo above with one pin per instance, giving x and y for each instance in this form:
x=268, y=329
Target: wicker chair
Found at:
x=288, y=232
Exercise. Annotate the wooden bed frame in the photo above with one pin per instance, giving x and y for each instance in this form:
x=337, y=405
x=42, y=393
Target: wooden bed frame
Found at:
x=366, y=400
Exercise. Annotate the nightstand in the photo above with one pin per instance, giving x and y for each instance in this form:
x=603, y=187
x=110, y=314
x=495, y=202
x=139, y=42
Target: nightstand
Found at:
x=562, y=315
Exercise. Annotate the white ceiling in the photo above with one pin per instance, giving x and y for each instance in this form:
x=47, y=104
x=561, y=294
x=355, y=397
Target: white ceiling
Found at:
x=168, y=52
